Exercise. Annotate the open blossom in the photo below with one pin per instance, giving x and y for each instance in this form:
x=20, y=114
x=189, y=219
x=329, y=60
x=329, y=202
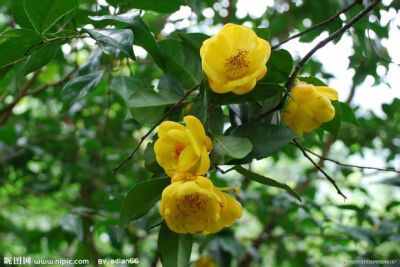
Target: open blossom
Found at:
x=182, y=149
x=310, y=107
x=234, y=59
x=195, y=206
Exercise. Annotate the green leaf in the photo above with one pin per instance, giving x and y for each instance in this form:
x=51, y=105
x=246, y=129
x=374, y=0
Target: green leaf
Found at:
x=150, y=161
x=125, y=86
x=45, y=14
x=175, y=249
x=333, y=126
x=194, y=40
x=279, y=67
x=20, y=17
x=147, y=115
x=261, y=91
x=120, y=39
x=42, y=55
x=267, y=181
x=348, y=114
x=150, y=98
x=141, y=198
x=263, y=33
x=181, y=61
x=266, y=139
x=14, y=44
x=161, y=6
x=312, y=80
x=80, y=86
x=143, y=36
x=235, y=147
x=217, y=120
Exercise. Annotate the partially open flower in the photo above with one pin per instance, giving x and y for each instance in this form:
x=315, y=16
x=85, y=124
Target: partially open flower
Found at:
x=183, y=148
x=196, y=206
x=234, y=59
x=205, y=262
x=310, y=107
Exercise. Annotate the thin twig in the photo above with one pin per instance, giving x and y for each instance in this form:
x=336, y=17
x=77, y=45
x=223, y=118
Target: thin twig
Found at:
x=322, y=23
x=319, y=168
x=321, y=44
x=154, y=225
x=60, y=38
x=24, y=92
x=53, y=84
x=166, y=114
x=350, y=165
x=6, y=112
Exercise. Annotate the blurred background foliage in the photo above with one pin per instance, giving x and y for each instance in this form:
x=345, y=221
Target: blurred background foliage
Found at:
x=68, y=118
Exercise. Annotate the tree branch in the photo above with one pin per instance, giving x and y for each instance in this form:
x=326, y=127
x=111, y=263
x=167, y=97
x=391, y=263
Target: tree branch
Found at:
x=300, y=64
x=330, y=179
x=166, y=114
x=350, y=165
x=60, y=38
x=6, y=112
x=53, y=84
x=322, y=23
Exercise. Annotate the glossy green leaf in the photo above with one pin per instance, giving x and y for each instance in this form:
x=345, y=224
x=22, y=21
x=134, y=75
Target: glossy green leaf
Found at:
x=181, y=61
x=141, y=198
x=125, y=86
x=333, y=126
x=80, y=86
x=312, y=80
x=20, y=17
x=40, y=57
x=161, y=6
x=267, y=181
x=120, y=39
x=194, y=40
x=235, y=147
x=348, y=114
x=266, y=139
x=175, y=249
x=143, y=36
x=14, y=45
x=263, y=33
x=150, y=98
x=279, y=67
x=45, y=14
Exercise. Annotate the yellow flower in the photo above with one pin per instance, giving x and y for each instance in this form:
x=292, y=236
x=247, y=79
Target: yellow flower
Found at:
x=205, y=262
x=183, y=148
x=195, y=206
x=309, y=108
x=234, y=59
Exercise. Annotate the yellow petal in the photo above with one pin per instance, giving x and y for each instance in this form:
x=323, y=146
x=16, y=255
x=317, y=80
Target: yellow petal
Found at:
x=169, y=125
x=331, y=93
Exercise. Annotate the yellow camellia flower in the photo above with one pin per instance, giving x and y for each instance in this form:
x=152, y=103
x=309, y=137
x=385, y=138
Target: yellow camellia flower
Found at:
x=183, y=148
x=193, y=205
x=234, y=59
x=205, y=262
x=310, y=107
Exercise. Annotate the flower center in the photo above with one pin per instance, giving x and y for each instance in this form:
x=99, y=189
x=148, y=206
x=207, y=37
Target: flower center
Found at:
x=191, y=205
x=237, y=65
x=178, y=148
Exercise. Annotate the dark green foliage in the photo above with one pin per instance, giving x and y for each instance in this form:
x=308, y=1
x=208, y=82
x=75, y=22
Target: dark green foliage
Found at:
x=84, y=96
